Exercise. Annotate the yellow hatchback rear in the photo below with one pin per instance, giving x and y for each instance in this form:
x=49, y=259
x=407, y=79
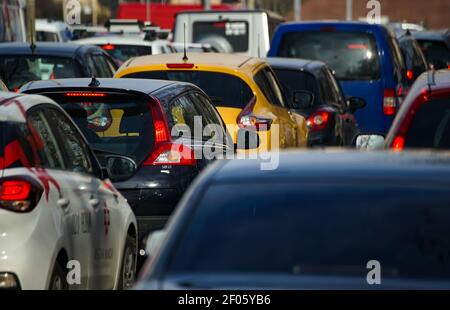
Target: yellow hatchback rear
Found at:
x=244, y=90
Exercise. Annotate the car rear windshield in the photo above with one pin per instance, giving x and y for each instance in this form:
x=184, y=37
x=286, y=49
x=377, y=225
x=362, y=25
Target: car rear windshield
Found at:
x=430, y=127
x=17, y=70
x=125, y=52
x=295, y=229
x=352, y=55
x=115, y=123
x=223, y=89
x=437, y=53
x=232, y=36
x=295, y=80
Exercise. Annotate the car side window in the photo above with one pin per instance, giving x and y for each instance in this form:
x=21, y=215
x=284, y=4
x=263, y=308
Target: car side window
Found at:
x=399, y=63
x=101, y=66
x=209, y=114
x=261, y=79
x=182, y=112
x=75, y=148
x=49, y=151
x=335, y=90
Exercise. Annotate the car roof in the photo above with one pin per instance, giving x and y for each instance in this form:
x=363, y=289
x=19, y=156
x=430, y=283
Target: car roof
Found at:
x=210, y=59
x=43, y=49
x=430, y=35
x=311, y=66
x=441, y=82
x=326, y=164
x=335, y=23
x=270, y=13
x=146, y=86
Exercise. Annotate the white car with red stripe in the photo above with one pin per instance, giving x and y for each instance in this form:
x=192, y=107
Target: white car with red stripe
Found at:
x=62, y=224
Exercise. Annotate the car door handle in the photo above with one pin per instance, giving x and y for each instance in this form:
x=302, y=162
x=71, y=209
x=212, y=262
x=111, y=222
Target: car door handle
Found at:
x=63, y=203
x=94, y=202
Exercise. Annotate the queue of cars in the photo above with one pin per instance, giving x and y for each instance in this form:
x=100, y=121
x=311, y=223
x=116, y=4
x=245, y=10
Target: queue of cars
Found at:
x=120, y=163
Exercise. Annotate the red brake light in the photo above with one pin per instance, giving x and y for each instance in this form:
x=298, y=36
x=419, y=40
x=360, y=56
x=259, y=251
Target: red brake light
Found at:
x=15, y=190
x=85, y=94
x=448, y=67
x=410, y=74
x=398, y=144
x=108, y=47
x=180, y=66
x=19, y=195
x=160, y=131
x=357, y=46
x=389, y=105
x=318, y=120
x=220, y=25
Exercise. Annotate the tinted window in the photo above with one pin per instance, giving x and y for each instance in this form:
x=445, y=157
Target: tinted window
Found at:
x=224, y=90
x=413, y=57
x=76, y=153
x=352, y=55
x=182, y=112
x=437, y=53
x=430, y=127
x=45, y=36
x=269, y=86
x=18, y=147
x=50, y=152
x=15, y=71
x=101, y=66
x=125, y=52
x=295, y=229
x=232, y=34
x=295, y=80
x=114, y=123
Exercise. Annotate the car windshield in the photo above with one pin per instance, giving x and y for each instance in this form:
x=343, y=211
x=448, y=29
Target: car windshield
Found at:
x=112, y=123
x=430, y=127
x=231, y=36
x=15, y=71
x=125, y=52
x=437, y=53
x=224, y=90
x=295, y=229
x=352, y=55
x=295, y=80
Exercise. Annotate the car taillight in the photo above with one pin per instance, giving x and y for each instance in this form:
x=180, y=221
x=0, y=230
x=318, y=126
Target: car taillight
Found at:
x=85, y=94
x=180, y=66
x=108, y=47
x=247, y=120
x=19, y=195
x=318, y=120
x=410, y=75
x=165, y=151
x=398, y=144
x=389, y=105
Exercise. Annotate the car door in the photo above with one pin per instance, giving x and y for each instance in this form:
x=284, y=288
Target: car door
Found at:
x=92, y=215
x=52, y=172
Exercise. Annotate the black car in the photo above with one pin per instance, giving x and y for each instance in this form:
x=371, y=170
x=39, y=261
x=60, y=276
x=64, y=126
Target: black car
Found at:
x=313, y=90
x=142, y=119
x=436, y=47
x=331, y=220
x=415, y=61
x=21, y=62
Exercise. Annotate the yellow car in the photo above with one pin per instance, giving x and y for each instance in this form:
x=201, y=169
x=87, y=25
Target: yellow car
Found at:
x=244, y=90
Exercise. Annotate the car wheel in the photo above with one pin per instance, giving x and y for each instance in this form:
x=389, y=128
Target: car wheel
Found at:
x=58, y=280
x=128, y=270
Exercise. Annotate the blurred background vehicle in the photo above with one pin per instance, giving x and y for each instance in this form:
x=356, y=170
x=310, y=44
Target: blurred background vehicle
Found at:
x=244, y=90
x=314, y=93
x=366, y=59
x=12, y=21
x=21, y=62
x=436, y=47
x=52, y=31
x=423, y=120
x=415, y=61
x=57, y=203
x=230, y=232
x=245, y=32
x=123, y=48
x=401, y=28
x=194, y=48
x=141, y=119
x=83, y=31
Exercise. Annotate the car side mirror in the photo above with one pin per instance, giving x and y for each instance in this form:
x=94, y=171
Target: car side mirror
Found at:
x=302, y=99
x=369, y=142
x=119, y=168
x=355, y=103
x=247, y=140
x=153, y=242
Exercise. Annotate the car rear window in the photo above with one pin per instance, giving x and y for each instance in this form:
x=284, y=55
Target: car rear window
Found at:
x=295, y=80
x=352, y=55
x=223, y=89
x=295, y=229
x=430, y=127
x=232, y=36
x=113, y=123
x=437, y=53
x=125, y=52
x=17, y=70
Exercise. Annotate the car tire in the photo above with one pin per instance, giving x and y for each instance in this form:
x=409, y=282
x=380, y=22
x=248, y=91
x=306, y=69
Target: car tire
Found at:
x=58, y=279
x=128, y=267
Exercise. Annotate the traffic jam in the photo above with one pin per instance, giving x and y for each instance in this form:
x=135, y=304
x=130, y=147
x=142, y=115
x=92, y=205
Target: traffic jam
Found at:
x=237, y=151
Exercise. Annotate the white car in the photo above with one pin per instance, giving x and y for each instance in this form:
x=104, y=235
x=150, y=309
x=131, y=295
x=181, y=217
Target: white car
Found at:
x=63, y=225
x=123, y=48
x=52, y=31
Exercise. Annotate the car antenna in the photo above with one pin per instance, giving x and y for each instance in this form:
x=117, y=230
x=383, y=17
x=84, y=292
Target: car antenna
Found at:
x=94, y=82
x=259, y=46
x=185, y=58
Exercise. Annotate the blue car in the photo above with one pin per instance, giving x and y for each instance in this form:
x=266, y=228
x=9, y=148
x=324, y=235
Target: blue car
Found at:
x=366, y=58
